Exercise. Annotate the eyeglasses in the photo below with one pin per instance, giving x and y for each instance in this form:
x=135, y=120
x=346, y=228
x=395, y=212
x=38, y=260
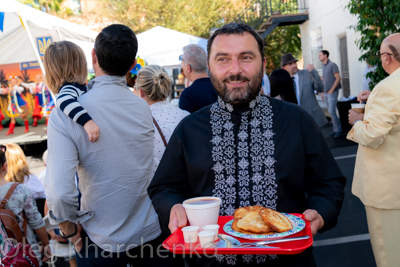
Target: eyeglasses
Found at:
x=181, y=58
x=3, y=148
x=380, y=54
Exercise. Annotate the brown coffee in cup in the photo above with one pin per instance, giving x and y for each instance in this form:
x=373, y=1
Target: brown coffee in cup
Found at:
x=357, y=107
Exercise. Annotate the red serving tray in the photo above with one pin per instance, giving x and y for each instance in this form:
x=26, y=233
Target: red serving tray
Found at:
x=176, y=244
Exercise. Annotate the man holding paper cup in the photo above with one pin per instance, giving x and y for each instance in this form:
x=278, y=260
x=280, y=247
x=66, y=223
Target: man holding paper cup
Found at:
x=247, y=149
x=376, y=174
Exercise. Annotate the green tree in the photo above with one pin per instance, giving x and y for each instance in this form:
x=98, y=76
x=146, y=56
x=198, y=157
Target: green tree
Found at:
x=50, y=6
x=193, y=17
x=282, y=40
x=376, y=20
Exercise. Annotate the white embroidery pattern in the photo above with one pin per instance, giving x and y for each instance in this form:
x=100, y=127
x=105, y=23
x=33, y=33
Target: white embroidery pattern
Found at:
x=243, y=168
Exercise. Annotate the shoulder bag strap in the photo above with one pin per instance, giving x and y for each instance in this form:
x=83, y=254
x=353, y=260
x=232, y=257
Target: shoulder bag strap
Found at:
x=5, y=200
x=8, y=195
x=159, y=130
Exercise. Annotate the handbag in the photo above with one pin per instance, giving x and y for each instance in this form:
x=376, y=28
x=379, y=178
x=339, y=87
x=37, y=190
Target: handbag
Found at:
x=20, y=256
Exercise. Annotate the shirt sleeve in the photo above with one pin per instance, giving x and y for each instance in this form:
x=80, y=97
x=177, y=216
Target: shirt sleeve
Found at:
x=316, y=81
x=324, y=181
x=169, y=187
x=30, y=208
x=62, y=193
x=67, y=102
x=382, y=111
x=335, y=68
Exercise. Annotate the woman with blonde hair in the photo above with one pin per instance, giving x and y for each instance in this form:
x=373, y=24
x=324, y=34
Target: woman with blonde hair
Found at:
x=18, y=171
x=154, y=86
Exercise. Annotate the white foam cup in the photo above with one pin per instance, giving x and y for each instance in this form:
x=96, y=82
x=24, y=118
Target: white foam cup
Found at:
x=190, y=234
x=206, y=238
x=212, y=227
x=202, y=211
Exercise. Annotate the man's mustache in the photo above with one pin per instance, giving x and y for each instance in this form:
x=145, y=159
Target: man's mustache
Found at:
x=236, y=77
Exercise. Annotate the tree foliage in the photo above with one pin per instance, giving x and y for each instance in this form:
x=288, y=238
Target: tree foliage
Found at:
x=193, y=17
x=376, y=20
x=53, y=7
x=282, y=40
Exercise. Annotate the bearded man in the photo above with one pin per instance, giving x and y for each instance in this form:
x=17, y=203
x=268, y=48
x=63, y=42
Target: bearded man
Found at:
x=248, y=149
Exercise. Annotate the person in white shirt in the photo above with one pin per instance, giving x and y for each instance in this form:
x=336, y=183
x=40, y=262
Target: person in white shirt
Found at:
x=154, y=86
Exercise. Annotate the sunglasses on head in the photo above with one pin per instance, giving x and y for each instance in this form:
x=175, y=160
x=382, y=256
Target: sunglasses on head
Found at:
x=3, y=148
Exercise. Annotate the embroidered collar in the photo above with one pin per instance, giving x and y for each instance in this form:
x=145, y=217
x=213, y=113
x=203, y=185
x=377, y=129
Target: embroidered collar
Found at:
x=240, y=107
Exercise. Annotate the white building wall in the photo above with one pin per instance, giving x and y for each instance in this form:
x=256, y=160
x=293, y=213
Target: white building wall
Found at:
x=334, y=20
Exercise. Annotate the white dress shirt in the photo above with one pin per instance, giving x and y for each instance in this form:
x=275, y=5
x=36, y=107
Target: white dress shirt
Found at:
x=296, y=81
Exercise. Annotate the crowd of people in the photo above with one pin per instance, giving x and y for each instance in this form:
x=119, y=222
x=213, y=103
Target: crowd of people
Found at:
x=120, y=164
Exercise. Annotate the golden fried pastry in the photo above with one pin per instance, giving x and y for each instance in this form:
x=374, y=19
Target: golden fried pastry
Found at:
x=240, y=212
x=237, y=229
x=254, y=208
x=253, y=222
x=275, y=220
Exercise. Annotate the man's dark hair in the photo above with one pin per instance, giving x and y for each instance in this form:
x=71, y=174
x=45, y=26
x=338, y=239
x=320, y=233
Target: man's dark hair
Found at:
x=236, y=28
x=116, y=47
x=325, y=52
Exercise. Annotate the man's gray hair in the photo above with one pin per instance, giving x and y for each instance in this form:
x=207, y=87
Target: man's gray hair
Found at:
x=196, y=57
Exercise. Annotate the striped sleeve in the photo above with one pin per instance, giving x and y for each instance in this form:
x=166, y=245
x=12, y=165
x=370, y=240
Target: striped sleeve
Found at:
x=67, y=102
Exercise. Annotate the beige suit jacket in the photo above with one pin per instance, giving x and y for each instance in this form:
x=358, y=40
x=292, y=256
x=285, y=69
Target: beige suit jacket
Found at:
x=377, y=171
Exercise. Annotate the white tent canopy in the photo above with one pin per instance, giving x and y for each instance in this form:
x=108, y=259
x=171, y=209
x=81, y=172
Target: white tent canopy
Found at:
x=24, y=26
x=162, y=46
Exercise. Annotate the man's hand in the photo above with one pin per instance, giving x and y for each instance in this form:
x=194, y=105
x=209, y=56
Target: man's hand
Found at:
x=56, y=237
x=68, y=228
x=363, y=96
x=77, y=239
x=177, y=217
x=354, y=116
x=310, y=67
x=316, y=221
x=322, y=96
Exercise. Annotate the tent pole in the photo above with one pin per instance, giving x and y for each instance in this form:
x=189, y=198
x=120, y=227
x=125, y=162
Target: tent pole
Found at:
x=25, y=25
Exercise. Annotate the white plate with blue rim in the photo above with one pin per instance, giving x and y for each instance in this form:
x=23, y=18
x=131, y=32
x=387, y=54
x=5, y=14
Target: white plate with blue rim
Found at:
x=297, y=223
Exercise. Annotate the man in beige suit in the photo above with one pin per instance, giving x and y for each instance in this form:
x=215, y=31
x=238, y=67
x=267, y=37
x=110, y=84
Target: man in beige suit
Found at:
x=377, y=172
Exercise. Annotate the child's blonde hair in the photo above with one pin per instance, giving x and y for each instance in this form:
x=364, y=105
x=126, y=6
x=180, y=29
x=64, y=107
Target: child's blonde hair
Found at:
x=64, y=62
x=154, y=81
x=17, y=167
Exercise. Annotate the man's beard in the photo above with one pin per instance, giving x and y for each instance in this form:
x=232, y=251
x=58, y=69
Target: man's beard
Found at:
x=238, y=95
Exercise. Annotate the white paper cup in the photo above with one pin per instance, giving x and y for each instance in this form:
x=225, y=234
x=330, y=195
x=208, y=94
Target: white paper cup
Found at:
x=190, y=234
x=212, y=227
x=202, y=211
x=206, y=238
x=358, y=107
